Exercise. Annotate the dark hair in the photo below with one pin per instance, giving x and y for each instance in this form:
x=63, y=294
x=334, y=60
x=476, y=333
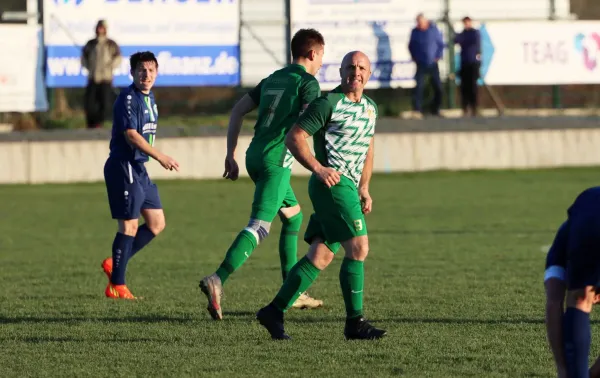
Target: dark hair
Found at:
x=141, y=57
x=305, y=40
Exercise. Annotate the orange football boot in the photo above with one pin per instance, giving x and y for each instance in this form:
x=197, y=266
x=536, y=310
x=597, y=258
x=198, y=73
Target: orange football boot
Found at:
x=118, y=292
x=107, y=267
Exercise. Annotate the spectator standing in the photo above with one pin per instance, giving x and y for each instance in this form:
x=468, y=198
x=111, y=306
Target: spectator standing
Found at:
x=100, y=56
x=426, y=47
x=469, y=41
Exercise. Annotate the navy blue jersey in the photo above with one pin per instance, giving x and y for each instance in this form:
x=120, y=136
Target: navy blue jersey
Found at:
x=584, y=212
x=556, y=259
x=137, y=111
x=586, y=202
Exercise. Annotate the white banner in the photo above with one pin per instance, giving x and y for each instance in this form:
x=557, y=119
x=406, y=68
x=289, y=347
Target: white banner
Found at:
x=196, y=41
x=21, y=81
x=542, y=53
x=379, y=28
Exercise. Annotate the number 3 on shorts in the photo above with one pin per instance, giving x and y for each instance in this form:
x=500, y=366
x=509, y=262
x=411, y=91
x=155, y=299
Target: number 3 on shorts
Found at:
x=276, y=94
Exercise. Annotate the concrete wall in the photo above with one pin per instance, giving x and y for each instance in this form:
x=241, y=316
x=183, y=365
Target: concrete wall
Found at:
x=82, y=161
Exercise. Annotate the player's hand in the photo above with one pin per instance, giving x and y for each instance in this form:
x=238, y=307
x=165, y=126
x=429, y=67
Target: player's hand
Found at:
x=168, y=162
x=366, y=202
x=562, y=373
x=232, y=171
x=328, y=176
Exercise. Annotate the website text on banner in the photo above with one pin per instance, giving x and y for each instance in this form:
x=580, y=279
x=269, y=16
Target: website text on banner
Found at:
x=196, y=41
x=21, y=78
x=540, y=53
x=379, y=28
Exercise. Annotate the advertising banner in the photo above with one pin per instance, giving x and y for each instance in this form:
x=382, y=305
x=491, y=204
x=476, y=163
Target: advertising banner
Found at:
x=21, y=77
x=196, y=41
x=540, y=53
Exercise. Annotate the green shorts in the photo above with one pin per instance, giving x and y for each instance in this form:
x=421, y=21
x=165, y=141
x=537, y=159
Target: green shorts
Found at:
x=273, y=189
x=338, y=213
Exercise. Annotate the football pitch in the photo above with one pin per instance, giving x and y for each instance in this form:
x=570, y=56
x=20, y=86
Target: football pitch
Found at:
x=454, y=274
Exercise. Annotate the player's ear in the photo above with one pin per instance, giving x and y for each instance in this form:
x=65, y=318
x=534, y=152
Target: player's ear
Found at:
x=312, y=54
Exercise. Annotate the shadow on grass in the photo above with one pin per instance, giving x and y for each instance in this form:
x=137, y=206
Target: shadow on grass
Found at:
x=247, y=316
x=66, y=339
x=473, y=231
x=149, y=318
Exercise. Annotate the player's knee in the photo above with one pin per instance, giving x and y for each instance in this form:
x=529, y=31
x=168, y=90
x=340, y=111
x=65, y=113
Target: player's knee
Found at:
x=128, y=227
x=158, y=226
x=319, y=255
x=357, y=248
x=289, y=213
x=293, y=221
x=259, y=229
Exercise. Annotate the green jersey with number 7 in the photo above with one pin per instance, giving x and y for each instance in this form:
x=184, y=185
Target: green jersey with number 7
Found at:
x=281, y=98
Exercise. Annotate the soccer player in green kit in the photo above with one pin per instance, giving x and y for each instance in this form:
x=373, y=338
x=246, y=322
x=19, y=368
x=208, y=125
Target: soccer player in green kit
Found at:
x=280, y=98
x=342, y=124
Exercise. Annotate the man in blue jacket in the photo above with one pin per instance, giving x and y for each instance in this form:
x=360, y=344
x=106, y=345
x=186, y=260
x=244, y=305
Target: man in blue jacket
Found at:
x=426, y=47
x=470, y=62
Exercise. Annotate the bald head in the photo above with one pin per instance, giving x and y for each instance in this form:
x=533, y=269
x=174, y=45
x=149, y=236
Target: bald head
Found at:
x=355, y=56
x=355, y=72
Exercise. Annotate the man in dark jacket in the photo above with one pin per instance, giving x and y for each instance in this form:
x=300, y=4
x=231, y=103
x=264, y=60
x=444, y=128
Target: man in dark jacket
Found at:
x=470, y=61
x=426, y=48
x=100, y=56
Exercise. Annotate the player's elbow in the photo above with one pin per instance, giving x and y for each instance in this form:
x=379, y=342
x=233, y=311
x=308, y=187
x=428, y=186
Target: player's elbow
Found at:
x=291, y=139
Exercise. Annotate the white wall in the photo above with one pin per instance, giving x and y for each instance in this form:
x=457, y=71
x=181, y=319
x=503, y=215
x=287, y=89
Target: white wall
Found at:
x=202, y=158
x=266, y=19
x=507, y=9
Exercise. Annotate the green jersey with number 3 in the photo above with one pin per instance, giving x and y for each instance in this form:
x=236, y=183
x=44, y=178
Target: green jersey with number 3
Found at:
x=342, y=131
x=281, y=98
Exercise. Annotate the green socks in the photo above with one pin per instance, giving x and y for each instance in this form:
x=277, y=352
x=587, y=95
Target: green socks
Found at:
x=352, y=281
x=237, y=254
x=288, y=243
x=301, y=276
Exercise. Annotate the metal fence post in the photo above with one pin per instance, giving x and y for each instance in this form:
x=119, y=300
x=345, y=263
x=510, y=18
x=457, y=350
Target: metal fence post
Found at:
x=288, y=31
x=241, y=13
x=451, y=51
x=556, y=101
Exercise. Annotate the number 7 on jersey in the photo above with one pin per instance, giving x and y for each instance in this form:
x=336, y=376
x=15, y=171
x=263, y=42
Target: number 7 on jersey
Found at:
x=277, y=94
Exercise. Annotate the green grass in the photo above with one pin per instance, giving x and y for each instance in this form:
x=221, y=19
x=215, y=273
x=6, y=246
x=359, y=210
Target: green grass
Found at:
x=454, y=274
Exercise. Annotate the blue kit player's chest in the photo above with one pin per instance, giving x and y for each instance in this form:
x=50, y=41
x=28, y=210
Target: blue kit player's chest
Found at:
x=149, y=119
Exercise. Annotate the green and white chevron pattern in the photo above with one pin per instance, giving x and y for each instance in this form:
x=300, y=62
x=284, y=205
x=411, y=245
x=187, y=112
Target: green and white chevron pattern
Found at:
x=288, y=160
x=348, y=136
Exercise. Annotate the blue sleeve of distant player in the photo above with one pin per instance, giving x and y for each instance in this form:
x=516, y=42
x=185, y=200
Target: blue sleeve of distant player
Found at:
x=556, y=259
x=127, y=114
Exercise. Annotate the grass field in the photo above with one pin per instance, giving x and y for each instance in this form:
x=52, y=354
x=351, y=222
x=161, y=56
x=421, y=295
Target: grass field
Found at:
x=454, y=274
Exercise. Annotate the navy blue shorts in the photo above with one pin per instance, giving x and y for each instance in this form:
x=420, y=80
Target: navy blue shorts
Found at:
x=583, y=249
x=129, y=189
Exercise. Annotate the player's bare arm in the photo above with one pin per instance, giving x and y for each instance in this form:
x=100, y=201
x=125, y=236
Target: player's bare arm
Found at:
x=555, y=294
x=295, y=141
x=244, y=106
x=595, y=369
x=365, y=179
x=138, y=141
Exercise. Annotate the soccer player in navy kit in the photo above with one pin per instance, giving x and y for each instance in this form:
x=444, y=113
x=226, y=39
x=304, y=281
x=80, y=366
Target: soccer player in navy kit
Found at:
x=573, y=266
x=131, y=193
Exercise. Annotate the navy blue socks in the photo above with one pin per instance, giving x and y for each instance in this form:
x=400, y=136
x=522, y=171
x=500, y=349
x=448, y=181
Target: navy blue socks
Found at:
x=577, y=338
